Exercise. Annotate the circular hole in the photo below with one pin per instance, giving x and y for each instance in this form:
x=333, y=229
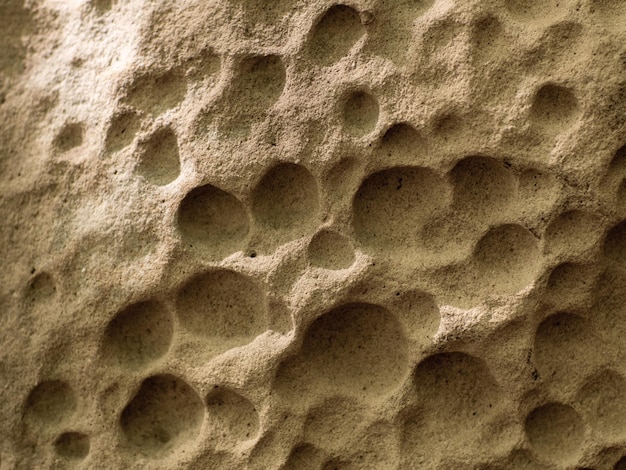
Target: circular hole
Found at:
x=164, y=415
x=156, y=91
x=70, y=136
x=122, y=129
x=506, y=259
x=561, y=339
x=159, y=160
x=392, y=205
x=213, y=220
x=455, y=391
x=335, y=33
x=554, y=108
x=260, y=82
x=286, y=199
x=359, y=348
x=603, y=399
x=555, y=432
x=51, y=403
x=139, y=334
x=360, y=113
x=572, y=233
x=223, y=305
x=330, y=250
x=483, y=187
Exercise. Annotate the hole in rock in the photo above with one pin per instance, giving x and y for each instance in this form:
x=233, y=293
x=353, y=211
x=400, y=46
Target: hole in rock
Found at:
x=70, y=136
x=555, y=432
x=259, y=82
x=506, y=259
x=603, y=399
x=232, y=415
x=483, y=187
x=357, y=348
x=72, y=445
x=360, y=113
x=139, y=334
x=330, y=250
x=213, y=220
x=156, y=92
x=391, y=206
x=456, y=397
x=51, y=403
x=286, y=199
x=560, y=341
x=572, y=233
x=554, y=108
x=158, y=158
x=335, y=33
x=223, y=305
x=402, y=142
x=122, y=129
x=163, y=416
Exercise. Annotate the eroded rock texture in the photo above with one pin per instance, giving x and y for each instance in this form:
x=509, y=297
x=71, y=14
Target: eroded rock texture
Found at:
x=301, y=234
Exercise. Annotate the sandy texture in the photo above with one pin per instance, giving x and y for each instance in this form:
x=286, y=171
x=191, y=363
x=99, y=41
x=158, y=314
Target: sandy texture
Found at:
x=303, y=235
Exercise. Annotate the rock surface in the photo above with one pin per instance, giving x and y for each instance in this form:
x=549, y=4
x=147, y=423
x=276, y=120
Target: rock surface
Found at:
x=300, y=234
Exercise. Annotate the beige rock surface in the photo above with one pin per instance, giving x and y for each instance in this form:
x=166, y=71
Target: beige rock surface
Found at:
x=298, y=234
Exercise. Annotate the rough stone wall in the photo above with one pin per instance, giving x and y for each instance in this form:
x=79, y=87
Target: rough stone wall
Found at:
x=298, y=234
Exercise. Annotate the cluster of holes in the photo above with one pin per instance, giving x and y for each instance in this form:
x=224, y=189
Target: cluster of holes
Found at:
x=145, y=99
x=585, y=325
x=166, y=413
x=224, y=309
x=284, y=206
x=51, y=407
x=358, y=350
x=456, y=221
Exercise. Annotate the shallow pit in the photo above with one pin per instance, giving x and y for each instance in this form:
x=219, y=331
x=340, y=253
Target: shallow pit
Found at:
x=51, y=403
x=555, y=432
x=213, y=221
x=223, y=306
x=286, y=200
x=391, y=206
x=334, y=34
x=164, y=416
x=560, y=341
x=603, y=401
x=360, y=113
x=358, y=348
x=72, y=445
x=330, y=250
x=138, y=334
x=554, y=108
x=506, y=259
x=231, y=416
x=483, y=187
x=159, y=160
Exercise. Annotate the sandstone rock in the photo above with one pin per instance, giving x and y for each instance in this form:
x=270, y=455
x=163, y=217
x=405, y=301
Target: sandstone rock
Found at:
x=310, y=235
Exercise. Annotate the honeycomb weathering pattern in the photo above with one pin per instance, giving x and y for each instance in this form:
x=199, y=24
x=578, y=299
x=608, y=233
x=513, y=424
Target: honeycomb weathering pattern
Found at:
x=302, y=234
